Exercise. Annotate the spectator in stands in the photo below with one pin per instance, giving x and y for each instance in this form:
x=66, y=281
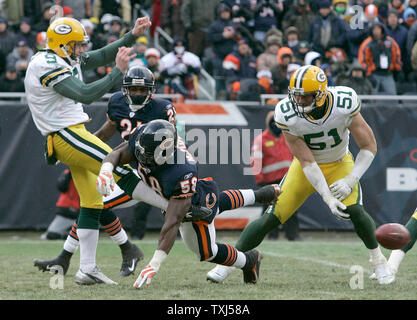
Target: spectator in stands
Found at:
x=266, y=15
x=300, y=52
x=396, y=5
x=140, y=47
x=115, y=29
x=222, y=36
x=47, y=14
x=327, y=30
x=81, y=9
x=67, y=12
x=279, y=72
x=291, y=38
x=380, y=56
x=413, y=5
x=270, y=161
x=41, y=41
x=327, y=68
x=399, y=33
x=153, y=56
x=265, y=82
x=268, y=59
x=299, y=16
x=99, y=73
x=197, y=16
x=7, y=42
x=340, y=9
x=171, y=18
x=20, y=57
x=10, y=81
x=13, y=11
x=356, y=36
x=239, y=65
x=180, y=69
x=241, y=11
x=409, y=17
x=355, y=79
x=26, y=32
x=120, y=8
x=314, y=58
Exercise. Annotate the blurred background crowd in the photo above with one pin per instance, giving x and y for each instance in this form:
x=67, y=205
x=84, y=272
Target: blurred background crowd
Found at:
x=249, y=47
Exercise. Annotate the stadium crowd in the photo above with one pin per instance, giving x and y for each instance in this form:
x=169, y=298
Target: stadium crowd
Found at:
x=250, y=47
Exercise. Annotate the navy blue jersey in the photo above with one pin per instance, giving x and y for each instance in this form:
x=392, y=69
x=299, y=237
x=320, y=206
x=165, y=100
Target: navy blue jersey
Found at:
x=127, y=119
x=179, y=179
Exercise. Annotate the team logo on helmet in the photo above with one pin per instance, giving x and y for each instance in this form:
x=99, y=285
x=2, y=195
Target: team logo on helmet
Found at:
x=63, y=29
x=321, y=77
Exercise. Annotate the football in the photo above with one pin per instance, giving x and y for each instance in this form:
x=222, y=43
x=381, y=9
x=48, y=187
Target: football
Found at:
x=392, y=236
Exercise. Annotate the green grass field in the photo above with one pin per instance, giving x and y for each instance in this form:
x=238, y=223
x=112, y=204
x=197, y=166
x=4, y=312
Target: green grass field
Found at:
x=314, y=269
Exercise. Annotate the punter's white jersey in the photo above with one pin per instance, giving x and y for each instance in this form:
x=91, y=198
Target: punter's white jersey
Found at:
x=328, y=137
x=50, y=110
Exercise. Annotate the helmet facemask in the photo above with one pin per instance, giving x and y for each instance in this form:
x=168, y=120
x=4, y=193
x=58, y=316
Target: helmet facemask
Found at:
x=70, y=50
x=138, y=100
x=307, y=107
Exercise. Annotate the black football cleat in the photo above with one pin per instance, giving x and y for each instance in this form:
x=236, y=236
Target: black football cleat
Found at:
x=58, y=264
x=267, y=194
x=251, y=268
x=131, y=257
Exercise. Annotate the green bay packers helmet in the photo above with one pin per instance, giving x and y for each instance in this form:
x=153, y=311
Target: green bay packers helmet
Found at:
x=63, y=34
x=307, y=81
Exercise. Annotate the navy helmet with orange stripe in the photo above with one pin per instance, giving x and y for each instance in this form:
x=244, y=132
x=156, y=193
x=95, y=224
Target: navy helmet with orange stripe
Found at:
x=155, y=143
x=307, y=89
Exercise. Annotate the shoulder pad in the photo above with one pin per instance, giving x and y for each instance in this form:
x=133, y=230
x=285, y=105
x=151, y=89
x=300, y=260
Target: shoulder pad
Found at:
x=285, y=115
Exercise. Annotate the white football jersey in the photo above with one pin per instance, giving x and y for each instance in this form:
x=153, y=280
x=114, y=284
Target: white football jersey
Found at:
x=50, y=110
x=328, y=137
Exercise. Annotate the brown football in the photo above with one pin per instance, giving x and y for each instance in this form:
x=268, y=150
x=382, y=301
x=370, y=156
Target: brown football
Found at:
x=392, y=235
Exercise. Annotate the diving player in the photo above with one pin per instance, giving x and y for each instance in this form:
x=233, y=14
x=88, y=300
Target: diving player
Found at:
x=128, y=109
x=171, y=171
x=316, y=121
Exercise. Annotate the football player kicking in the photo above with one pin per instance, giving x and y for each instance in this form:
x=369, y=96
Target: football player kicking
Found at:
x=55, y=93
x=128, y=109
x=316, y=122
x=171, y=171
x=397, y=256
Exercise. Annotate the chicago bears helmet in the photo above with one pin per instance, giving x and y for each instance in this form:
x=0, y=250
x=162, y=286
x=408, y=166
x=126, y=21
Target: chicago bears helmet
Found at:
x=62, y=36
x=155, y=143
x=308, y=81
x=137, y=77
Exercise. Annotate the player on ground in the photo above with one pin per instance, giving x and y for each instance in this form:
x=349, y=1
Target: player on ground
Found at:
x=168, y=168
x=127, y=110
x=316, y=122
x=55, y=93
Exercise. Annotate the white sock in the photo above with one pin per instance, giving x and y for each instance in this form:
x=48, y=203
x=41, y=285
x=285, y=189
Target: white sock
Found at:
x=71, y=244
x=395, y=259
x=88, y=247
x=376, y=255
x=248, y=196
x=120, y=237
x=240, y=261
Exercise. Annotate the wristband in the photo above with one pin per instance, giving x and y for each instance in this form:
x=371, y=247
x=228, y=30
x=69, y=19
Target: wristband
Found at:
x=107, y=167
x=158, y=257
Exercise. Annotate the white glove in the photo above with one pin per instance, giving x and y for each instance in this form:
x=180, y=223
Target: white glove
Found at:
x=150, y=270
x=145, y=276
x=343, y=187
x=336, y=206
x=105, y=182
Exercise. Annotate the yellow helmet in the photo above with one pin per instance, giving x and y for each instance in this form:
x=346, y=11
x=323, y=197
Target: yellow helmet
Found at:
x=63, y=34
x=308, y=81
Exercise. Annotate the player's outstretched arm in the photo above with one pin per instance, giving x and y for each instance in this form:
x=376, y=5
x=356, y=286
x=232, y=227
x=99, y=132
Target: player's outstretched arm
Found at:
x=86, y=93
x=106, y=131
x=177, y=208
x=106, y=55
x=365, y=139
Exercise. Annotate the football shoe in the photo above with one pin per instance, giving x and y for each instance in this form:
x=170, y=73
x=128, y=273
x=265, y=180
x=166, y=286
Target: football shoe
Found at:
x=267, y=194
x=251, y=268
x=131, y=257
x=219, y=273
x=92, y=277
x=47, y=265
